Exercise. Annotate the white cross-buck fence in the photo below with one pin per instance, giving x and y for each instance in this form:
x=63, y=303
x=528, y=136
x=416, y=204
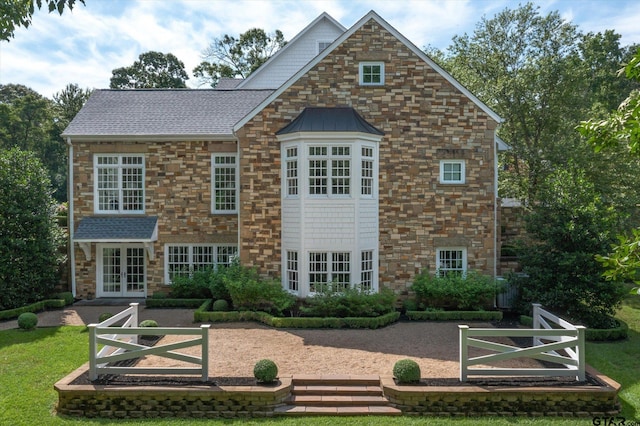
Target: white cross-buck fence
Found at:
x=121, y=344
x=553, y=340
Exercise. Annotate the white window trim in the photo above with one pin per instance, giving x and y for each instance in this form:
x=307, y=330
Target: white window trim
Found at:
x=463, y=176
x=361, y=75
x=190, y=247
x=119, y=166
x=293, y=159
x=213, y=186
x=329, y=158
x=464, y=257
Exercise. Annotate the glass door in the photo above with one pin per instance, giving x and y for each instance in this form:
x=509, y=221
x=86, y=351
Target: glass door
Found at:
x=121, y=270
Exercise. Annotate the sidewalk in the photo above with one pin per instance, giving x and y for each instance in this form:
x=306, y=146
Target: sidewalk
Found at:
x=87, y=312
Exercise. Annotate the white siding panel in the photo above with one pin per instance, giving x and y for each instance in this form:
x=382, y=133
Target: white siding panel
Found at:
x=275, y=73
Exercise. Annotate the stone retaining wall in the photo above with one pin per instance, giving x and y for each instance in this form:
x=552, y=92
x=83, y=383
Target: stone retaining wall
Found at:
x=565, y=401
x=129, y=402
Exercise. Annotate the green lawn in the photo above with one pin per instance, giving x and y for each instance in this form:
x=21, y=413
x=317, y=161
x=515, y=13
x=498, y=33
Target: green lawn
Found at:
x=31, y=362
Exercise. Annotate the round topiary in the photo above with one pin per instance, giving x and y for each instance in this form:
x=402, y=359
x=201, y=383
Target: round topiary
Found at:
x=406, y=371
x=27, y=321
x=220, y=305
x=104, y=316
x=148, y=323
x=265, y=371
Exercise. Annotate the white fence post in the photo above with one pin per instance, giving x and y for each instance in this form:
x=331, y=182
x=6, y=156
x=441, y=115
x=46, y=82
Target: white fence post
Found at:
x=536, y=322
x=580, y=349
x=205, y=351
x=134, y=320
x=93, y=346
x=464, y=352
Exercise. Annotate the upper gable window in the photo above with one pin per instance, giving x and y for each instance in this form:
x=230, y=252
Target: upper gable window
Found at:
x=119, y=183
x=323, y=44
x=371, y=73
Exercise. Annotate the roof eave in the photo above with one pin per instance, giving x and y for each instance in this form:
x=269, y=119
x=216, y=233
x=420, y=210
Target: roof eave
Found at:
x=150, y=138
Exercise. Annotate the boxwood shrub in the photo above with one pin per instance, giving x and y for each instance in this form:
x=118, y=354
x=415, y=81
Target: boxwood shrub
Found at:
x=454, y=315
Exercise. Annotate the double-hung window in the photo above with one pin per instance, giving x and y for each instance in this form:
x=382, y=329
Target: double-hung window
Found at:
x=291, y=162
x=366, y=184
x=452, y=171
x=451, y=261
x=224, y=171
x=371, y=73
x=119, y=183
x=183, y=259
x=334, y=268
x=330, y=170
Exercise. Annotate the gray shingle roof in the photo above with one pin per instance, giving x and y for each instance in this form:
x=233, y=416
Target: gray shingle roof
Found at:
x=341, y=119
x=116, y=228
x=165, y=112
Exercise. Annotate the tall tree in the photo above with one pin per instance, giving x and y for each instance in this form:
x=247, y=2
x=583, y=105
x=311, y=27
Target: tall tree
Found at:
x=621, y=128
x=151, y=70
x=14, y=14
x=520, y=64
x=29, y=236
x=237, y=57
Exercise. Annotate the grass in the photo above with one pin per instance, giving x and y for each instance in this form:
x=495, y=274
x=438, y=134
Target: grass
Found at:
x=31, y=362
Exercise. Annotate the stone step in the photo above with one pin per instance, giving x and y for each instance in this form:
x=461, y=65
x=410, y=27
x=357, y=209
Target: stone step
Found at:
x=335, y=380
x=301, y=410
x=356, y=390
x=336, y=400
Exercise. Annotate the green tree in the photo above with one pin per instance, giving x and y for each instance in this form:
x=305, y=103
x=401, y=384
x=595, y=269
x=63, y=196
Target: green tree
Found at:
x=571, y=223
x=29, y=236
x=620, y=129
x=18, y=13
x=237, y=57
x=522, y=65
x=151, y=70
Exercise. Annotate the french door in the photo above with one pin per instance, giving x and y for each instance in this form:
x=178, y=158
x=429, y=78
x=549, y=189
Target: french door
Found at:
x=121, y=270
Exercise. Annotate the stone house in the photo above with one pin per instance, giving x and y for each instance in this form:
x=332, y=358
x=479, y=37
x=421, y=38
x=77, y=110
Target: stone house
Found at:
x=348, y=157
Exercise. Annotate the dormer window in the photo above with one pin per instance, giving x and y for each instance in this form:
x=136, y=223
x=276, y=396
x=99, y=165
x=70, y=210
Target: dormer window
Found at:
x=371, y=73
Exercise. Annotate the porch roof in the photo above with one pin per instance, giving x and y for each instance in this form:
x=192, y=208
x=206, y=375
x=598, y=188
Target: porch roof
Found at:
x=117, y=229
x=340, y=119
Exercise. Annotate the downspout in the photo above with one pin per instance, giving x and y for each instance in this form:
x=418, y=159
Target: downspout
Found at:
x=239, y=176
x=70, y=224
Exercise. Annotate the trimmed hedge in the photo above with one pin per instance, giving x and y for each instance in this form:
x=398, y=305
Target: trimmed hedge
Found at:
x=593, y=334
x=203, y=314
x=174, y=303
x=34, y=307
x=454, y=315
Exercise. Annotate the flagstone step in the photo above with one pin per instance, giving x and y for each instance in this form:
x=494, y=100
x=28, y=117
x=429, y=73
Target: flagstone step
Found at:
x=359, y=390
x=336, y=400
x=300, y=410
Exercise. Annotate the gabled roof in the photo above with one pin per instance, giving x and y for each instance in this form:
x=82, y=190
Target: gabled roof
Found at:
x=291, y=45
x=341, y=119
x=371, y=15
x=162, y=113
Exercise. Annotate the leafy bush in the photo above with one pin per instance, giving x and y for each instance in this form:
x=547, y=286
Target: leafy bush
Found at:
x=104, y=316
x=195, y=286
x=27, y=321
x=220, y=305
x=30, y=237
x=67, y=296
x=469, y=292
x=250, y=292
x=265, y=371
x=148, y=323
x=159, y=295
x=406, y=371
x=351, y=302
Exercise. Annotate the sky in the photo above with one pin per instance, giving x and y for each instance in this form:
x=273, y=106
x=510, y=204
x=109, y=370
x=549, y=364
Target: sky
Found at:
x=83, y=46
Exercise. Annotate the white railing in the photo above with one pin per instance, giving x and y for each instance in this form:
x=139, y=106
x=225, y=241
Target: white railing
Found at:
x=550, y=334
x=121, y=344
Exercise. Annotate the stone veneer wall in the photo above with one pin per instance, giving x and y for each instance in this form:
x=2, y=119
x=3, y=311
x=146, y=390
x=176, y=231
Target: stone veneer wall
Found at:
x=177, y=190
x=526, y=401
x=425, y=120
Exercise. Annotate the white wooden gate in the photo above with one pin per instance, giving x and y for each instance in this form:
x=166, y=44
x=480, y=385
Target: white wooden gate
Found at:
x=550, y=335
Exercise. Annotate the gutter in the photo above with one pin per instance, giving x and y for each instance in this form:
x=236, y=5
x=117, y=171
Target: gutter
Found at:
x=70, y=224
